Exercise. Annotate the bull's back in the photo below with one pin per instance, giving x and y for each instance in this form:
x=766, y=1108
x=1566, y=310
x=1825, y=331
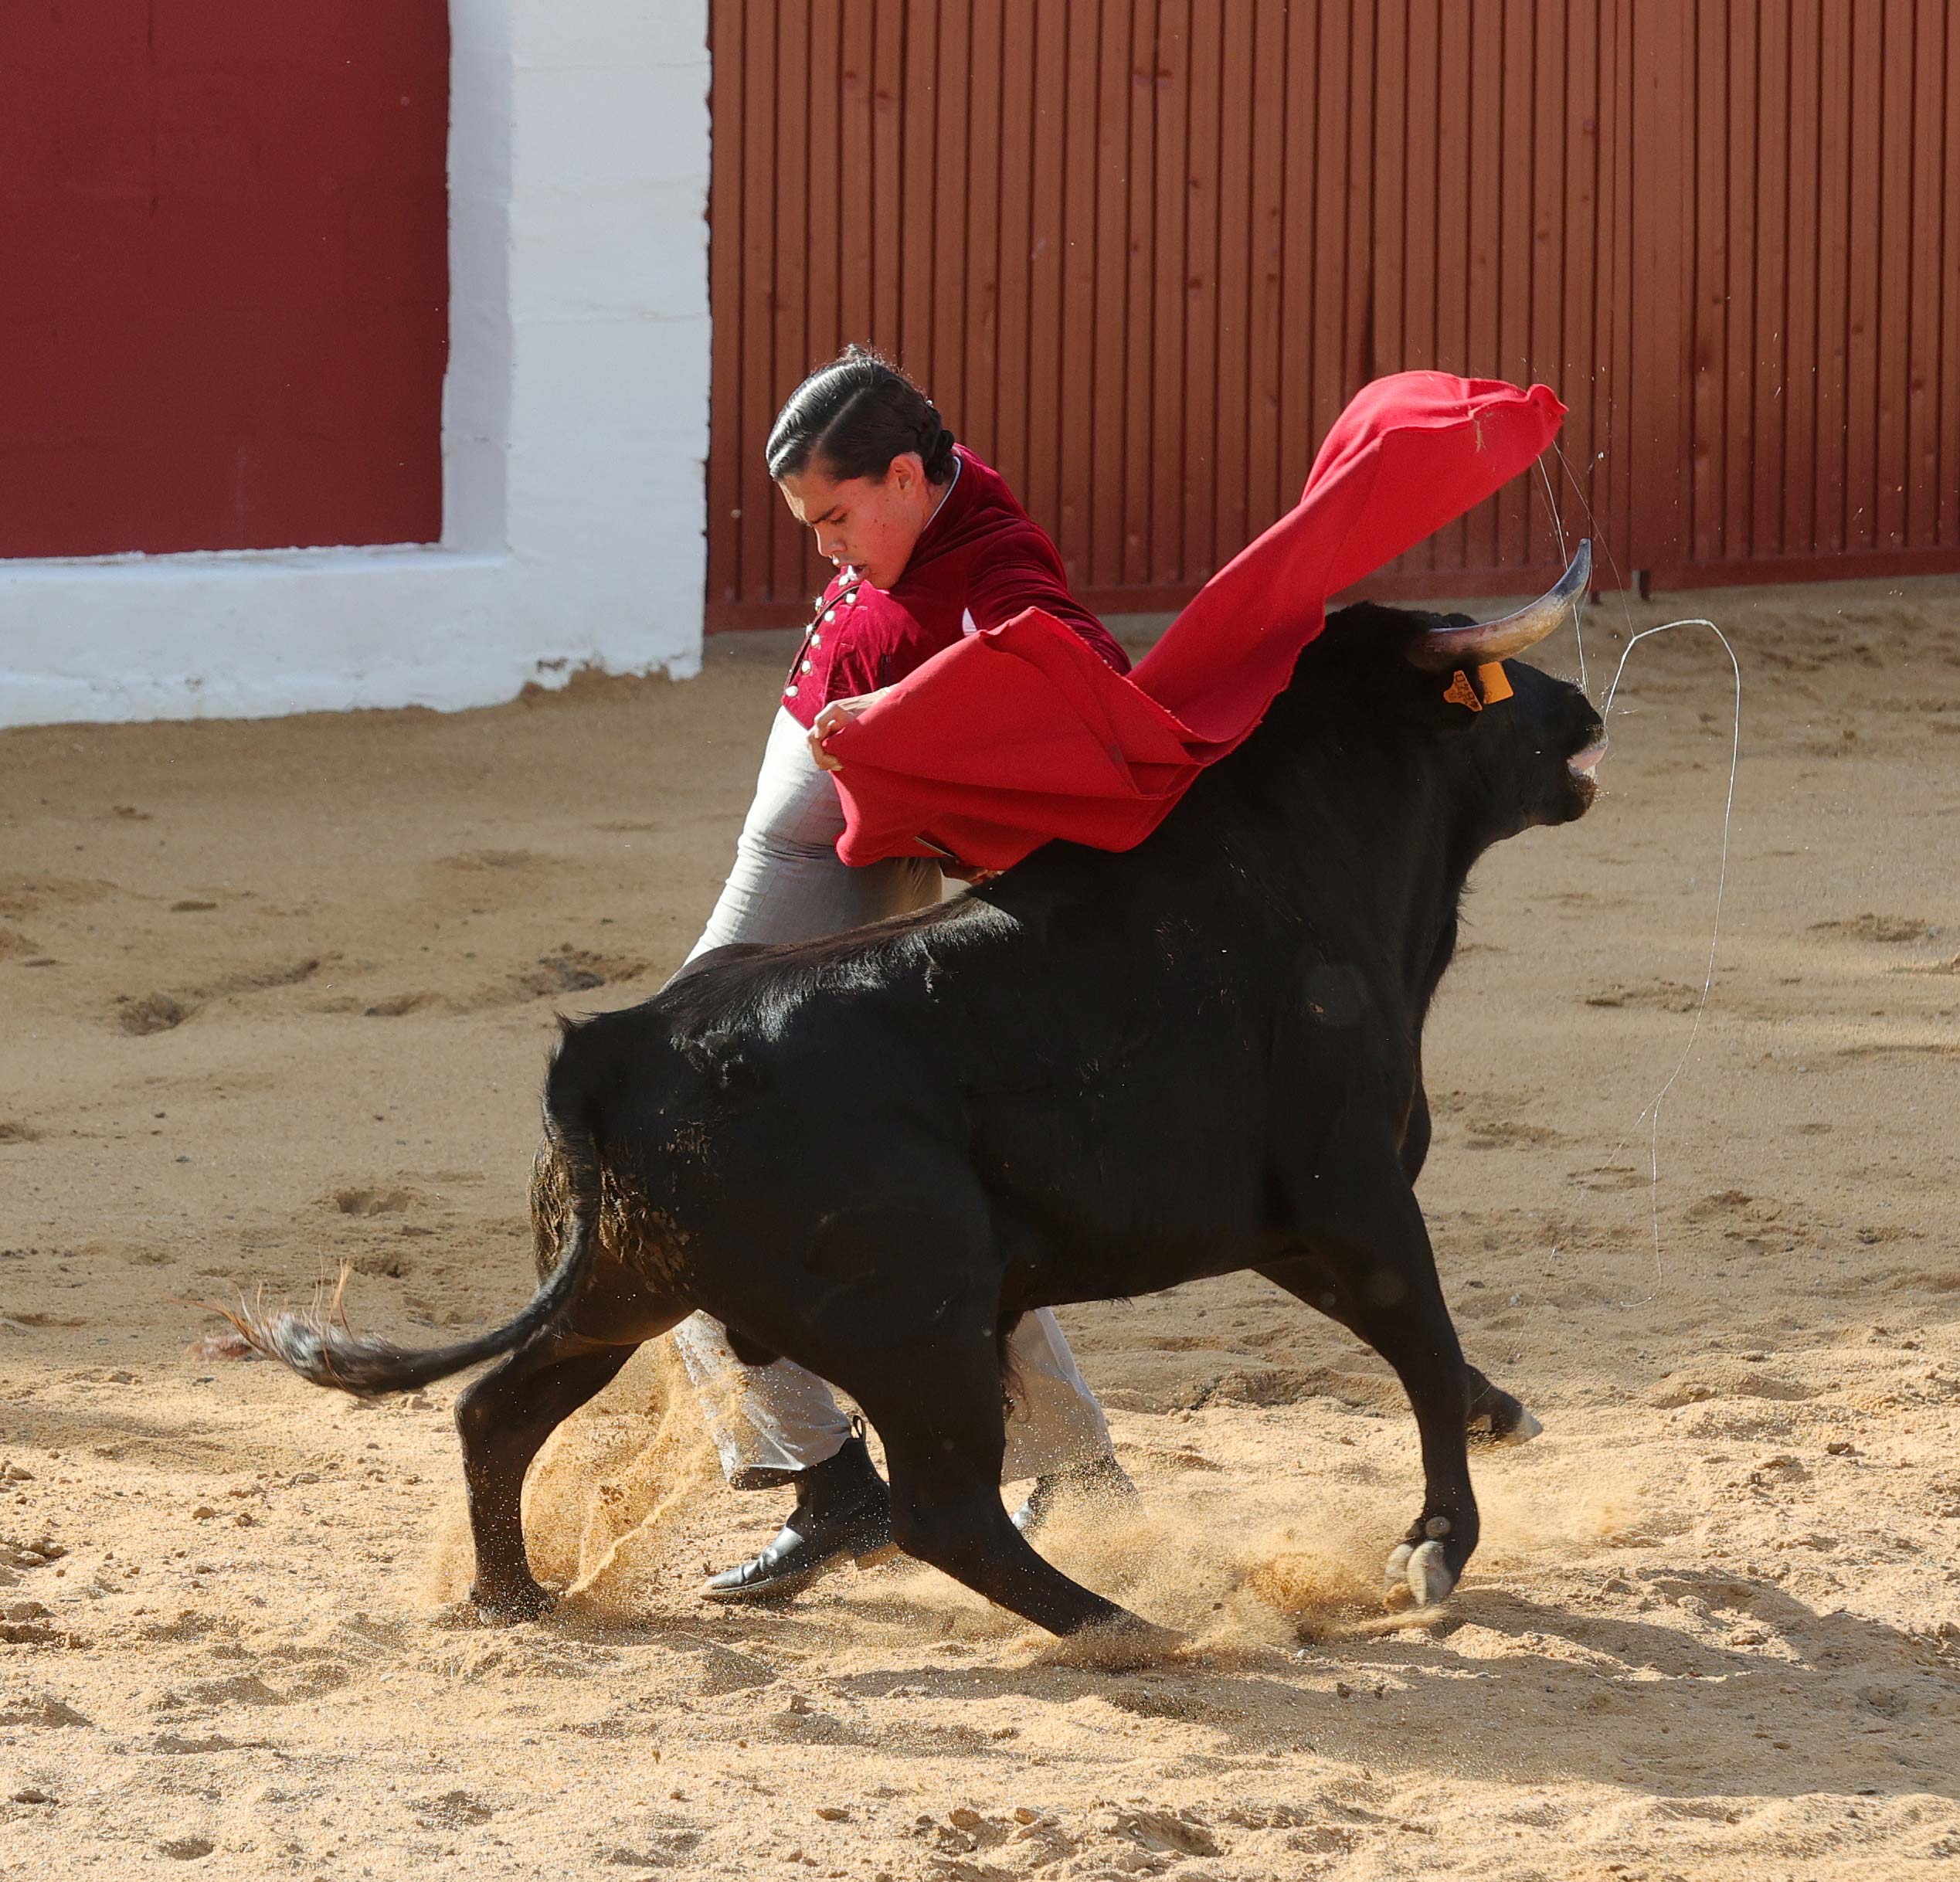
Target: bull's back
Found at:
x=745, y=1115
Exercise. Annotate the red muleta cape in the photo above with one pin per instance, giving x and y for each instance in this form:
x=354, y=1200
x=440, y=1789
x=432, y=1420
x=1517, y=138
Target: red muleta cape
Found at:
x=1021, y=734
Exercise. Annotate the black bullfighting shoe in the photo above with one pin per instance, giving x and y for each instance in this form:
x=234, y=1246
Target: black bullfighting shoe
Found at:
x=1099, y=1484
x=843, y=1514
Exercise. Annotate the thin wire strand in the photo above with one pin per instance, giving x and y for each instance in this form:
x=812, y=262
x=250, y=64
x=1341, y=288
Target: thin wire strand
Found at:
x=1651, y=1115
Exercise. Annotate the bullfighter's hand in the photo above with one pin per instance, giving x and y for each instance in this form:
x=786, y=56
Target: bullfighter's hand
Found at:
x=839, y=712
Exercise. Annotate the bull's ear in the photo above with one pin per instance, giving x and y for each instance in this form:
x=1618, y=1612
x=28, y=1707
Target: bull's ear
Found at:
x=1440, y=649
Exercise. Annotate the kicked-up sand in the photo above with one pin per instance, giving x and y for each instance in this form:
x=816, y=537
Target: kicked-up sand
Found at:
x=276, y=997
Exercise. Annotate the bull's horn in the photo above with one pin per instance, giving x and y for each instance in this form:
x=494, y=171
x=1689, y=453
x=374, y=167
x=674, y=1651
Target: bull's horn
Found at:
x=1442, y=648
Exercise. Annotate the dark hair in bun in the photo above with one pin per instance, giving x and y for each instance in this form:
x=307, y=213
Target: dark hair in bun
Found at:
x=854, y=416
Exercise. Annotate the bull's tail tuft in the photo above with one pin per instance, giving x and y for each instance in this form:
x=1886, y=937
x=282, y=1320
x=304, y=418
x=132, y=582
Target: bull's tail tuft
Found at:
x=320, y=1345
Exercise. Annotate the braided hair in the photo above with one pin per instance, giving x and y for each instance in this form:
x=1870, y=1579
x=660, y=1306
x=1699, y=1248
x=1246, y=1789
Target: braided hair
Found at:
x=852, y=417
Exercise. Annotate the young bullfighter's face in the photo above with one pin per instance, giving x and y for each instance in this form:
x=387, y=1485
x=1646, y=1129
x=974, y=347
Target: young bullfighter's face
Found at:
x=869, y=524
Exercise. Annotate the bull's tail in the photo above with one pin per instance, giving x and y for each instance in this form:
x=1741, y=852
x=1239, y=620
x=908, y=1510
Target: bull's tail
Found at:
x=320, y=1346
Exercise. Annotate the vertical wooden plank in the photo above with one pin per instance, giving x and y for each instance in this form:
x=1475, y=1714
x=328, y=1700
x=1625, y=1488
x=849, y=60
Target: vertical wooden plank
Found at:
x=1949, y=470
x=1828, y=489
x=1387, y=75
x=1139, y=459
x=888, y=258
x=1382, y=75
x=1263, y=498
x=1740, y=332
x=759, y=119
x=791, y=557
x=1578, y=355
x=1017, y=176
x=1893, y=220
x=978, y=420
x=1199, y=465
x=1549, y=176
x=1358, y=310
x=1420, y=109
x=1739, y=338
x=1331, y=390
x=1042, y=491
x=1512, y=518
x=1623, y=312
x=1073, y=517
x=1863, y=310
x=1663, y=92
x=1486, y=351
x=1773, y=358
x=1170, y=297
x=856, y=83
x=1923, y=363
x=1800, y=534
x=725, y=303
x=1418, y=234
x=821, y=337
x=943, y=370
x=1234, y=271
x=918, y=105
x=1298, y=271
x=823, y=320
x=1109, y=415
x=1454, y=185
x=1708, y=262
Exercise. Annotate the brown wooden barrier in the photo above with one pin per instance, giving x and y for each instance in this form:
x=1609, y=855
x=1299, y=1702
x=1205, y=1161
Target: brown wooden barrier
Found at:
x=1142, y=251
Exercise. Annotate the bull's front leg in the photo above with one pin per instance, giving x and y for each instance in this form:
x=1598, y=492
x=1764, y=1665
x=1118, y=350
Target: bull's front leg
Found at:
x=1373, y=1270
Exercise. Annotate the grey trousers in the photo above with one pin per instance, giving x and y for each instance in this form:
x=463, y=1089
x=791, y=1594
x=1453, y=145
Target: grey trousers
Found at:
x=787, y=884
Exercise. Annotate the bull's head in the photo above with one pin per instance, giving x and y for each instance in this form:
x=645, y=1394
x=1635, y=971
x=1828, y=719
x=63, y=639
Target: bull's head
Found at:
x=1433, y=714
x=1534, y=740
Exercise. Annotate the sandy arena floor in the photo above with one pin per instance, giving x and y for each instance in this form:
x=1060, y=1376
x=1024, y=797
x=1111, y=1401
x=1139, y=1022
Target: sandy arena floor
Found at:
x=275, y=995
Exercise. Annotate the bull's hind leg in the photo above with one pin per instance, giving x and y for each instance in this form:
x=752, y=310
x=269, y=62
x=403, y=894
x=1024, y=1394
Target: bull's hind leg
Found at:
x=505, y=1416
x=1495, y=1414
x=938, y=1411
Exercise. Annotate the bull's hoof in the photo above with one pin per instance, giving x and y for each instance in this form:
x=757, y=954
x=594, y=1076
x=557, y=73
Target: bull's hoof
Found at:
x=1506, y=1421
x=1120, y=1646
x=1523, y=1432
x=507, y=1607
x=1417, y=1576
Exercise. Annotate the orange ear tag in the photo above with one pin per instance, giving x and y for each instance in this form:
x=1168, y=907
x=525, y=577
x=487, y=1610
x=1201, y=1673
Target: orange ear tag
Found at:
x=1461, y=692
x=1490, y=676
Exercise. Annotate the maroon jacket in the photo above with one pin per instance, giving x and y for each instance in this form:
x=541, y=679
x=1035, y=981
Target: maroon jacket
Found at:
x=981, y=561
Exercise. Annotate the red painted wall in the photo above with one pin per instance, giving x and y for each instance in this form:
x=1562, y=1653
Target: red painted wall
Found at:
x=223, y=274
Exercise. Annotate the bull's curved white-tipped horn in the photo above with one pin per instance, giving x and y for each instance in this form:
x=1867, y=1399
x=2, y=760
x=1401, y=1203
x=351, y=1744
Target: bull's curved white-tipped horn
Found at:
x=1442, y=648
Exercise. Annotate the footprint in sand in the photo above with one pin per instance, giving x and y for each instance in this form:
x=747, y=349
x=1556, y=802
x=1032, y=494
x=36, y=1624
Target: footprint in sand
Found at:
x=1893, y=930
x=571, y=970
x=397, y=1004
x=141, y=1013
x=1668, y=996
x=1508, y=1134
x=374, y=1201
x=24, y=895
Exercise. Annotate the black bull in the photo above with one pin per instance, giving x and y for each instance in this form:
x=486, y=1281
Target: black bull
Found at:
x=1098, y=1076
